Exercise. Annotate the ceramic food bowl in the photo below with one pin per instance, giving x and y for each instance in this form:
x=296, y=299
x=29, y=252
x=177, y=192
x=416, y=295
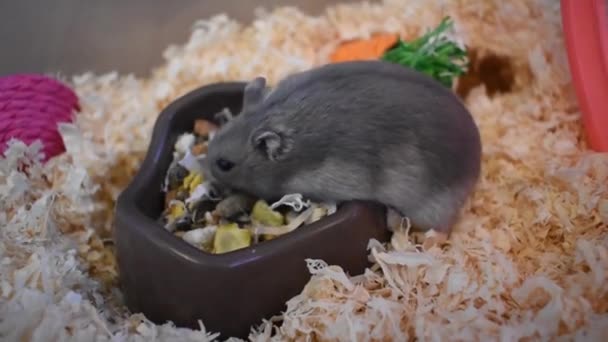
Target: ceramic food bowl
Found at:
x=168, y=279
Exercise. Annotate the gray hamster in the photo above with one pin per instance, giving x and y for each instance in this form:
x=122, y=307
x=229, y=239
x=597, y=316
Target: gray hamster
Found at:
x=363, y=130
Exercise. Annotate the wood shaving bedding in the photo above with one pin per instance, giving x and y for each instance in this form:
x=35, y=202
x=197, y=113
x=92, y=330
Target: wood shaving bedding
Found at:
x=528, y=259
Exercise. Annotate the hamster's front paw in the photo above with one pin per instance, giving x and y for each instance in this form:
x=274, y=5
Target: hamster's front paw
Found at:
x=234, y=205
x=395, y=221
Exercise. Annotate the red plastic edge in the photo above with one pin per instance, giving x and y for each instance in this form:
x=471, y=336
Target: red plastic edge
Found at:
x=585, y=31
x=601, y=15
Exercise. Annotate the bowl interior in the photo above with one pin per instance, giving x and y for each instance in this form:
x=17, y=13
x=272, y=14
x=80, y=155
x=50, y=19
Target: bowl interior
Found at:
x=143, y=201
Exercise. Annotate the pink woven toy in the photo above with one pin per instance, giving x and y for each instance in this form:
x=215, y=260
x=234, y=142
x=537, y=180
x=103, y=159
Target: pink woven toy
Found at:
x=31, y=106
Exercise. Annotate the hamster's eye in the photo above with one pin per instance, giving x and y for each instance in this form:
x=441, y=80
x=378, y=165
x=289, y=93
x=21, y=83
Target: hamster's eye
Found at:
x=224, y=165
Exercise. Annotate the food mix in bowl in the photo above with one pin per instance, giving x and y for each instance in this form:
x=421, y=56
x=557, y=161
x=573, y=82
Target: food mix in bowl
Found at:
x=197, y=213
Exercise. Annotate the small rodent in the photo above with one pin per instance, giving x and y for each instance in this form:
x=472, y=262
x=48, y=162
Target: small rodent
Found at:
x=362, y=130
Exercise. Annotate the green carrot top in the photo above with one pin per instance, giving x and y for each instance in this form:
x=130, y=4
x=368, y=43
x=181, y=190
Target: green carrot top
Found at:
x=433, y=54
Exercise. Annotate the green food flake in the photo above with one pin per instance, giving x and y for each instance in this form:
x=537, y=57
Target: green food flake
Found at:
x=433, y=54
x=263, y=214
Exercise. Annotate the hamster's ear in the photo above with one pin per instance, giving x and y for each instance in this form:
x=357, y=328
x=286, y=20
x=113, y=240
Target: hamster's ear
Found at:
x=254, y=92
x=273, y=145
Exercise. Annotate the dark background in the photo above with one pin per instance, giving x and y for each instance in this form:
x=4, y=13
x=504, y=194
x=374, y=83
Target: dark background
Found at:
x=75, y=36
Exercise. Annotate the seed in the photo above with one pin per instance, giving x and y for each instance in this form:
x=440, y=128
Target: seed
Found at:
x=183, y=223
x=200, y=210
x=203, y=127
x=176, y=176
x=171, y=195
x=199, y=149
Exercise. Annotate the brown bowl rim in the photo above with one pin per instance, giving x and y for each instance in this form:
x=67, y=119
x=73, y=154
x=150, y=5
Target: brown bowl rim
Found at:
x=127, y=208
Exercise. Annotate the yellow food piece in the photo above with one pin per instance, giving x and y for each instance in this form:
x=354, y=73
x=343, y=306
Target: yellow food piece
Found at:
x=263, y=214
x=268, y=237
x=191, y=181
x=230, y=237
x=176, y=210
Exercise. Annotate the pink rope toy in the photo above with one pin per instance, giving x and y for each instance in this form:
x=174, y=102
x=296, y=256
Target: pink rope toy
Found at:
x=31, y=106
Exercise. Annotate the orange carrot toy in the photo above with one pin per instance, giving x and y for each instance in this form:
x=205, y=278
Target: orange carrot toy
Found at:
x=361, y=49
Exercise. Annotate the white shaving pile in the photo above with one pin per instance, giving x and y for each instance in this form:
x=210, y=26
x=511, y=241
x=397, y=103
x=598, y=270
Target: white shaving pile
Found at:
x=528, y=260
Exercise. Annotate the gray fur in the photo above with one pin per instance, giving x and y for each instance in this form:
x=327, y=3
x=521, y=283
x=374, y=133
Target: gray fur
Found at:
x=365, y=130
